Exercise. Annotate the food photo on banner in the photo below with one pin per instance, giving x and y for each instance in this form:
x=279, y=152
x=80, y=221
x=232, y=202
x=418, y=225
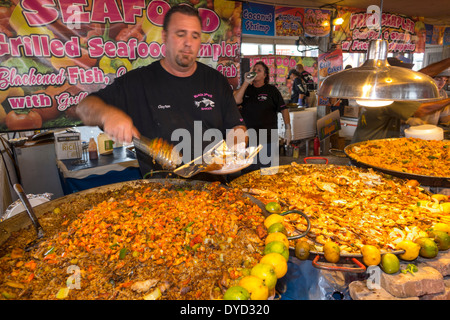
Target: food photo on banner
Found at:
x=52, y=55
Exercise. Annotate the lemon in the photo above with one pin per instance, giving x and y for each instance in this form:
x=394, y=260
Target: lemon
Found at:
x=277, y=227
x=277, y=236
x=277, y=261
x=255, y=286
x=278, y=247
x=439, y=197
x=445, y=207
x=302, y=249
x=442, y=227
x=273, y=218
x=411, y=250
x=371, y=255
x=267, y=273
x=390, y=263
x=236, y=293
x=273, y=207
x=331, y=251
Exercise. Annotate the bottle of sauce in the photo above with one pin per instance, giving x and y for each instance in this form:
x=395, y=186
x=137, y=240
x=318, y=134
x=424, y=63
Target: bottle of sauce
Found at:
x=92, y=149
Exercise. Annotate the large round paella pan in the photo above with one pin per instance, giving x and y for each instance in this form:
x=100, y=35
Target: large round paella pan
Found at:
x=348, y=205
x=410, y=158
x=168, y=239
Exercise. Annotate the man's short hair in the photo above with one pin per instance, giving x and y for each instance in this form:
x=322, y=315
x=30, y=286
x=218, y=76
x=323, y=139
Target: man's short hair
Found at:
x=293, y=71
x=181, y=8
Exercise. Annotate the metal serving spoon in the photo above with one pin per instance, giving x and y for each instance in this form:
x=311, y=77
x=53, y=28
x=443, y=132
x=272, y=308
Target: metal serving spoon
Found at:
x=29, y=209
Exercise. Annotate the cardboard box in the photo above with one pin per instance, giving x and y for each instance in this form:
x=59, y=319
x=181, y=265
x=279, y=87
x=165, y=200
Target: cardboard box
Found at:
x=68, y=145
x=352, y=112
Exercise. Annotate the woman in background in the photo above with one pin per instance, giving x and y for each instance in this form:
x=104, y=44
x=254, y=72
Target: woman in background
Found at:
x=259, y=103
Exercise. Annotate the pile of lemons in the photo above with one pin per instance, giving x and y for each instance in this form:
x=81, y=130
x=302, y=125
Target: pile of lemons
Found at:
x=260, y=283
x=427, y=245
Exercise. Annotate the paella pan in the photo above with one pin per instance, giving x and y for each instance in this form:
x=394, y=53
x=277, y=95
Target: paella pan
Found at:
x=168, y=239
x=411, y=158
x=348, y=205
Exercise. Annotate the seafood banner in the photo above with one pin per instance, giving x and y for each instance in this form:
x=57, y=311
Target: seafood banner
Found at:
x=437, y=35
x=54, y=53
x=329, y=63
x=404, y=34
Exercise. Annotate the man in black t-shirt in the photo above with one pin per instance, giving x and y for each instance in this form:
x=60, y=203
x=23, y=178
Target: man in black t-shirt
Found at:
x=177, y=98
x=306, y=84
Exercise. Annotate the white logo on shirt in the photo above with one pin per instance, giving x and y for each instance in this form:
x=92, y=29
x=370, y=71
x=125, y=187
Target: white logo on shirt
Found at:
x=205, y=103
x=166, y=106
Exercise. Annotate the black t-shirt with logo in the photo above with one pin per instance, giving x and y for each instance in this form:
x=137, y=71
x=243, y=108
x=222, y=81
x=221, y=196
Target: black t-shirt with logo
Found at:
x=260, y=107
x=160, y=103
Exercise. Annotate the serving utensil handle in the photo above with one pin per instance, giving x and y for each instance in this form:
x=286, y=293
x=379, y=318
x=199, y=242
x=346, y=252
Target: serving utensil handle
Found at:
x=330, y=267
x=29, y=209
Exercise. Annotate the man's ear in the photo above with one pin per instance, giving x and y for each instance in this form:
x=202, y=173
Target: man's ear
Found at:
x=163, y=36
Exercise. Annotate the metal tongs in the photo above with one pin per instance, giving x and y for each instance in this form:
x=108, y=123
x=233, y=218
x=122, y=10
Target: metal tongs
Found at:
x=213, y=161
x=218, y=159
x=29, y=209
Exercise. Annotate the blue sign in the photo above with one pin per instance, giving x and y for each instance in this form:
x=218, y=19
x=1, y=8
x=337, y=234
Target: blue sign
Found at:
x=429, y=33
x=447, y=36
x=258, y=19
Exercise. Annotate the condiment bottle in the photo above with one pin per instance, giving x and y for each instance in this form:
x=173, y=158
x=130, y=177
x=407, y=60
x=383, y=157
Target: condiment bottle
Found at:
x=296, y=152
x=289, y=150
x=316, y=146
x=92, y=149
x=105, y=144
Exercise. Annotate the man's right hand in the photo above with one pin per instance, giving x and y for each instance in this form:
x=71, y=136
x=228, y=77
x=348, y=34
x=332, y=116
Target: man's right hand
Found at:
x=119, y=126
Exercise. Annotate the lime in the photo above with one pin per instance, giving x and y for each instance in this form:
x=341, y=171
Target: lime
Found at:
x=273, y=218
x=265, y=272
x=302, y=249
x=277, y=261
x=236, y=293
x=428, y=248
x=371, y=255
x=277, y=227
x=278, y=247
x=255, y=286
x=411, y=250
x=390, y=263
x=273, y=207
x=331, y=251
x=441, y=238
